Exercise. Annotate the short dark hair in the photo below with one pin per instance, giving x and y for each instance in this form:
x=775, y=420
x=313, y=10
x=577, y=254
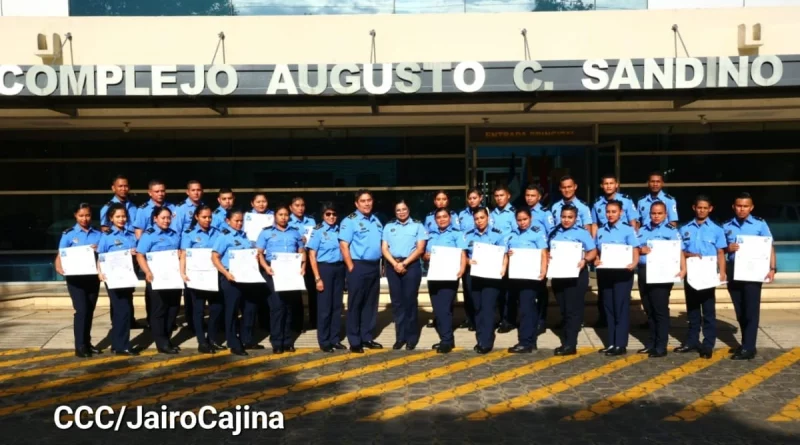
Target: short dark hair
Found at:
x=524, y=210
x=705, y=198
x=361, y=192
x=608, y=176
x=192, y=182
x=535, y=187
x=155, y=182
x=327, y=205
x=744, y=195
x=475, y=190
x=443, y=209
x=659, y=203
x=118, y=177
x=614, y=202
x=501, y=188
x=567, y=178
x=225, y=191
x=656, y=173
x=481, y=210
x=569, y=208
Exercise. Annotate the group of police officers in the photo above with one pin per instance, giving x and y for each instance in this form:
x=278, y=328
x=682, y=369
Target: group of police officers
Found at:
x=353, y=250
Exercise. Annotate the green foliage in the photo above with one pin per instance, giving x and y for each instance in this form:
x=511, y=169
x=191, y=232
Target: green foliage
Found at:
x=563, y=5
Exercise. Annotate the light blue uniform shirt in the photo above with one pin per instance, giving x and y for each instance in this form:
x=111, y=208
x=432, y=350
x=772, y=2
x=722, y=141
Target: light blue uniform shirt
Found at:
x=184, y=212
x=301, y=225
x=584, y=216
x=752, y=225
x=363, y=234
x=466, y=220
x=629, y=212
x=156, y=239
x=76, y=236
x=144, y=214
x=402, y=238
x=619, y=233
x=228, y=241
x=274, y=240
x=430, y=221
x=575, y=234
x=531, y=238
x=663, y=231
x=325, y=241
x=648, y=200
x=218, y=219
x=449, y=237
x=503, y=219
x=129, y=206
x=703, y=239
x=198, y=238
x=115, y=240
x=543, y=218
x=491, y=236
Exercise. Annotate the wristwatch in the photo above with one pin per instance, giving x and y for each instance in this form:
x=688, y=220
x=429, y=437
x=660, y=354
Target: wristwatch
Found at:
x=318, y=280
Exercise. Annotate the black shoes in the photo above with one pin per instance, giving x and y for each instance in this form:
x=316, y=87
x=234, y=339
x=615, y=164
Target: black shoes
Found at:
x=565, y=350
x=481, y=350
x=128, y=352
x=519, y=349
x=372, y=345
x=93, y=349
x=505, y=327
x=289, y=348
x=682, y=349
x=744, y=354
x=254, y=346
x=606, y=349
x=205, y=348
x=410, y=347
x=735, y=350
x=431, y=323
x=657, y=354
x=339, y=346
x=444, y=349
x=83, y=353
x=645, y=351
x=615, y=351
x=326, y=348
x=167, y=350
x=398, y=345
x=357, y=349
x=435, y=346
x=705, y=353
x=277, y=350
x=239, y=352
x=218, y=346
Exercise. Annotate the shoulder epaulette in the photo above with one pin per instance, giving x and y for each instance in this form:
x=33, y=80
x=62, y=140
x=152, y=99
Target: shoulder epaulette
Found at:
x=391, y=221
x=535, y=228
x=416, y=221
x=180, y=203
x=352, y=216
x=496, y=230
x=757, y=218
x=668, y=196
x=454, y=229
x=289, y=228
x=187, y=231
x=453, y=212
x=226, y=231
x=623, y=195
x=150, y=230
x=110, y=203
x=671, y=226
x=545, y=209
x=599, y=198
x=143, y=205
x=318, y=226
x=431, y=213
x=512, y=208
x=626, y=223
x=219, y=209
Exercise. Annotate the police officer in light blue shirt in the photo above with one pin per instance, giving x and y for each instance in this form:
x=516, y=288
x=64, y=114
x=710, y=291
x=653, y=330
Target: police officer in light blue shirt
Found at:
x=184, y=210
x=165, y=303
x=303, y=224
x=360, y=236
x=466, y=221
x=119, y=238
x=503, y=218
x=615, y=285
x=442, y=292
x=485, y=290
x=541, y=216
x=120, y=187
x=655, y=296
x=568, y=188
x=530, y=294
x=83, y=289
x=609, y=185
x=403, y=244
x=571, y=292
x=746, y=295
x=261, y=207
x=702, y=238
x=441, y=200
x=655, y=183
x=144, y=214
x=226, y=199
x=326, y=261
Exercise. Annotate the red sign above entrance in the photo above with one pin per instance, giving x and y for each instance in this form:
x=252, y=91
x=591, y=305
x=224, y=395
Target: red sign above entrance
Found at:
x=532, y=134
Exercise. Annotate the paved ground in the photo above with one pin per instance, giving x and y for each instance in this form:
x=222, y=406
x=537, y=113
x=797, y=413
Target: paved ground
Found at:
x=389, y=397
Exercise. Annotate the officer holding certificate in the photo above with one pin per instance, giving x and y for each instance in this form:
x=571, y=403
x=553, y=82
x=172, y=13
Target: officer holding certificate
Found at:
x=83, y=289
x=528, y=293
x=657, y=294
x=746, y=295
x=466, y=222
x=615, y=284
x=302, y=223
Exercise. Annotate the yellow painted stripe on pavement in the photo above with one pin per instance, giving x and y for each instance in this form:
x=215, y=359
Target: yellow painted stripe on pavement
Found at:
x=271, y=393
x=18, y=351
x=724, y=395
x=553, y=389
x=99, y=375
x=789, y=413
x=241, y=380
x=644, y=389
x=467, y=388
x=36, y=359
x=381, y=388
x=68, y=366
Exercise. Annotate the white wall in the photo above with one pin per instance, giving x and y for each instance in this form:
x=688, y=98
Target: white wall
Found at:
x=34, y=8
x=698, y=4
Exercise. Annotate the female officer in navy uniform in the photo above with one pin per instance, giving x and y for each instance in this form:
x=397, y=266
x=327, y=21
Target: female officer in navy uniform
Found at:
x=571, y=292
x=83, y=289
x=301, y=222
x=231, y=238
x=527, y=292
x=326, y=262
x=261, y=206
x=443, y=293
x=165, y=303
x=466, y=222
x=402, y=246
x=281, y=238
x=441, y=200
x=200, y=235
x=657, y=303
x=485, y=290
x=119, y=236
x=616, y=284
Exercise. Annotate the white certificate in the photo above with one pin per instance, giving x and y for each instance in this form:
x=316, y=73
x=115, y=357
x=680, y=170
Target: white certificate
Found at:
x=286, y=270
x=307, y=235
x=445, y=263
x=166, y=269
x=201, y=271
x=118, y=269
x=663, y=262
x=525, y=264
x=701, y=273
x=243, y=265
x=254, y=223
x=78, y=260
x=489, y=259
x=615, y=256
x=751, y=261
x=565, y=257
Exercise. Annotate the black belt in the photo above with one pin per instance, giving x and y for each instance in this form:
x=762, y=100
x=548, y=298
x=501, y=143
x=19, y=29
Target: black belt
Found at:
x=335, y=263
x=367, y=261
x=400, y=259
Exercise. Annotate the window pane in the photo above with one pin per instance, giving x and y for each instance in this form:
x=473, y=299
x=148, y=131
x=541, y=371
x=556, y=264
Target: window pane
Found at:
x=713, y=168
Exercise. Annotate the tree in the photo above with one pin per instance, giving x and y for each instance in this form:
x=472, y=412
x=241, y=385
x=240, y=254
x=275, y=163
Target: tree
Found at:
x=150, y=7
x=563, y=5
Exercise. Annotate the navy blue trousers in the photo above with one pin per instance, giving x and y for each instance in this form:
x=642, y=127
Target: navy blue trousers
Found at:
x=469, y=307
x=404, y=292
x=164, y=305
x=571, y=296
x=232, y=295
x=602, y=315
x=542, y=300
x=121, y=320
x=443, y=294
x=281, y=307
x=746, y=298
x=83, y=290
x=484, y=297
x=616, y=292
x=215, y=310
x=363, y=287
x=330, y=303
x=702, y=313
x=527, y=293
x=507, y=303
x=188, y=309
x=656, y=305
